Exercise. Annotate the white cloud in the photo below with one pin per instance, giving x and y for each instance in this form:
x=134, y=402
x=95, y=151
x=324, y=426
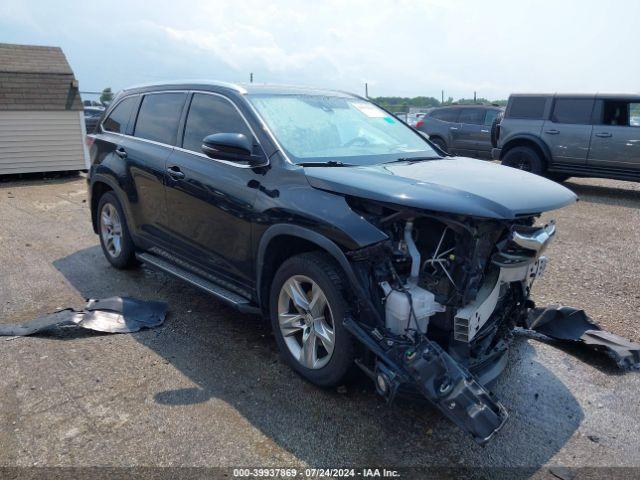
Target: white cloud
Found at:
x=244, y=47
x=400, y=47
x=323, y=43
x=17, y=13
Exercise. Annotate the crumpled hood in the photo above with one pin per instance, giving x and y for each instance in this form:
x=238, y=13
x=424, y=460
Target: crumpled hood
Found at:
x=454, y=185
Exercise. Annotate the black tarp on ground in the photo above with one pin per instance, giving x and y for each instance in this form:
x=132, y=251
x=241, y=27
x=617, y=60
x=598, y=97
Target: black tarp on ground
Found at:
x=568, y=324
x=111, y=315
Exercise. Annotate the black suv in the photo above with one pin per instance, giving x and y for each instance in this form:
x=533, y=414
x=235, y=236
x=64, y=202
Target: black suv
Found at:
x=571, y=135
x=338, y=222
x=461, y=129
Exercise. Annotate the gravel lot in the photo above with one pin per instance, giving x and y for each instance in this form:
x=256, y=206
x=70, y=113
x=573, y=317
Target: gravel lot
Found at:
x=208, y=388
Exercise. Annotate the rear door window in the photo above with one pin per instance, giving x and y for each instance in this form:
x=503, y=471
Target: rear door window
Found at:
x=473, y=116
x=446, y=114
x=572, y=110
x=118, y=119
x=209, y=114
x=159, y=116
x=527, y=107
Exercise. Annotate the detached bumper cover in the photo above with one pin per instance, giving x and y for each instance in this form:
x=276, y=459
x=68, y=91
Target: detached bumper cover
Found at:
x=448, y=385
x=568, y=324
x=455, y=391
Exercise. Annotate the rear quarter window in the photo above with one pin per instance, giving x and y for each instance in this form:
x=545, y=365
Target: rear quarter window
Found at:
x=118, y=119
x=527, y=107
x=634, y=114
x=615, y=112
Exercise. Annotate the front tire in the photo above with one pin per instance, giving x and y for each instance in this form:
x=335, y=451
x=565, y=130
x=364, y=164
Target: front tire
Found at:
x=307, y=308
x=115, y=239
x=524, y=158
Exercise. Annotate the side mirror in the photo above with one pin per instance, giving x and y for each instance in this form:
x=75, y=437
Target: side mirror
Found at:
x=228, y=146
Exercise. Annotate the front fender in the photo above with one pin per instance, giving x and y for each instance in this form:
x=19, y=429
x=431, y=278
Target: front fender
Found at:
x=322, y=242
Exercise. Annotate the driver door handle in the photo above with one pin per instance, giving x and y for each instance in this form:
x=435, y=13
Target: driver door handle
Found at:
x=553, y=131
x=175, y=172
x=121, y=152
x=453, y=128
x=603, y=135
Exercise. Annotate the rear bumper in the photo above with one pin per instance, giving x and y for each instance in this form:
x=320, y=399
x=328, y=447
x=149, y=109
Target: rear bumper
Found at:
x=495, y=153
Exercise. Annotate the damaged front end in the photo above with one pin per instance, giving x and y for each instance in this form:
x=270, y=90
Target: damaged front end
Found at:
x=444, y=294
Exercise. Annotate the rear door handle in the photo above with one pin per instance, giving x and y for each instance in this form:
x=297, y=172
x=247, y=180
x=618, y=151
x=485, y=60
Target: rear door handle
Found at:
x=175, y=172
x=453, y=128
x=603, y=135
x=484, y=131
x=121, y=152
x=552, y=132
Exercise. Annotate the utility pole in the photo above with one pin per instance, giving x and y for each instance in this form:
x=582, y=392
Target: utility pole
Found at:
x=442, y=101
x=366, y=90
x=251, y=77
x=474, y=97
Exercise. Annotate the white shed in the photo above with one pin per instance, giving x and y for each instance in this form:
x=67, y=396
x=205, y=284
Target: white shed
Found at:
x=41, y=120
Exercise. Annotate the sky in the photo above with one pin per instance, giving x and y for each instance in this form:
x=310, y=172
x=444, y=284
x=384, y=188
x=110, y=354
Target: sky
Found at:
x=400, y=48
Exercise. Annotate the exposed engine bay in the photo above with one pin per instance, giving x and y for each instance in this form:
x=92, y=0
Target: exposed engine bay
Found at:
x=447, y=293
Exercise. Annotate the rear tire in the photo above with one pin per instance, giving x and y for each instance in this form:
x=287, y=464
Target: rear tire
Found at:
x=116, y=242
x=524, y=158
x=303, y=280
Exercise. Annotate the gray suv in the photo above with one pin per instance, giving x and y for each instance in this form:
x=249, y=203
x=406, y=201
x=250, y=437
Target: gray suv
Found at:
x=562, y=136
x=461, y=129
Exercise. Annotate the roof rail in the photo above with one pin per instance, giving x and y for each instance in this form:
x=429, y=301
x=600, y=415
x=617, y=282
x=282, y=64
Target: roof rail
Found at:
x=216, y=83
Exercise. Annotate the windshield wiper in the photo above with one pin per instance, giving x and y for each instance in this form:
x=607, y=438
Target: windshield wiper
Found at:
x=414, y=159
x=330, y=163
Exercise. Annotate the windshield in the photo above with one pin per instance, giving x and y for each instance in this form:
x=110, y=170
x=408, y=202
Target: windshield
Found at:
x=315, y=128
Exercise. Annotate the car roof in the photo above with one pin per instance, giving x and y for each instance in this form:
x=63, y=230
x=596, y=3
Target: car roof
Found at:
x=242, y=88
x=613, y=96
x=255, y=88
x=469, y=105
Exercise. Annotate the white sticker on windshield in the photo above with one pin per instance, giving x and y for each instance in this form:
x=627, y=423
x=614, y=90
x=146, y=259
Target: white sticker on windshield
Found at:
x=370, y=110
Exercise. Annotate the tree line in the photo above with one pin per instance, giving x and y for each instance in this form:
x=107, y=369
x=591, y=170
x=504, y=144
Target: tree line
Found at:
x=402, y=104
